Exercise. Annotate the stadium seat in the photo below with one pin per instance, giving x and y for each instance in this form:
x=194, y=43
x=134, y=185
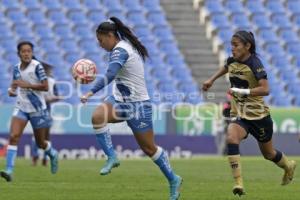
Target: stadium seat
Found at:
x=77, y=17
x=32, y=4
x=52, y=4
x=255, y=6
x=72, y=5
x=293, y=6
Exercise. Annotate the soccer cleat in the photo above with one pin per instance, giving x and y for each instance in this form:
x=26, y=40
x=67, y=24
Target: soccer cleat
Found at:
x=239, y=190
x=54, y=163
x=110, y=163
x=175, y=188
x=6, y=176
x=289, y=174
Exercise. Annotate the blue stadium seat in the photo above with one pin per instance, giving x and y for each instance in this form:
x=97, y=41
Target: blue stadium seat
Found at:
x=96, y=17
x=11, y=57
x=275, y=6
x=113, y=5
x=288, y=35
x=63, y=31
x=23, y=30
x=49, y=45
x=72, y=57
x=214, y=6
x=9, y=44
x=137, y=18
x=58, y=17
x=268, y=35
x=219, y=20
x=157, y=19
x=17, y=16
x=5, y=32
x=152, y=5
x=83, y=32
x=281, y=21
x=225, y=34
x=261, y=21
x=255, y=6
x=72, y=5
x=293, y=47
x=43, y=31
x=240, y=20
x=274, y=49
x=37, y=17
x=164, y=34
x=52, y=4
x=32, y=4
x=93, y=5
x=132, y=5
x=10, y=5
x=234, y=6
x=78, y=17
x=69, y=45
x=293, y=6
x=89, y=45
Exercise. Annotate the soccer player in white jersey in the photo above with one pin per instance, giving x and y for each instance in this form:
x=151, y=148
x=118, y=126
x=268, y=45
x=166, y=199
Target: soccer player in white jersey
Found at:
x=51, y=96
x=29, y=76
x=130, y=101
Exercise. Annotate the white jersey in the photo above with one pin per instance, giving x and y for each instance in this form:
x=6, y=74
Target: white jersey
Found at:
x=29, y=100
x=129, y=84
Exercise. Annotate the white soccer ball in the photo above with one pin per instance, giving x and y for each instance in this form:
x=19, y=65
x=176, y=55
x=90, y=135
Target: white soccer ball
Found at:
x=84, y=71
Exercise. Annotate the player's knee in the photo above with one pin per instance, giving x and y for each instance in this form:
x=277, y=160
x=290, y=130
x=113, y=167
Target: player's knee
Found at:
x=231, y=139
x=98, y=119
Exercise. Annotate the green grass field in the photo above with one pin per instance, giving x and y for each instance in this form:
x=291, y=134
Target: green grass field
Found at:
x=205, y=178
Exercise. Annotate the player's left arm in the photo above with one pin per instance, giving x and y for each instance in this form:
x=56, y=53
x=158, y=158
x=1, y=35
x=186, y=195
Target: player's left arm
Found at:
x=42, y=86
x=262, y=89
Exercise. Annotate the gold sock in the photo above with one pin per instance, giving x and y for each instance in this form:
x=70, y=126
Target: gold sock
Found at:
x=283, y=162
x=235, y=164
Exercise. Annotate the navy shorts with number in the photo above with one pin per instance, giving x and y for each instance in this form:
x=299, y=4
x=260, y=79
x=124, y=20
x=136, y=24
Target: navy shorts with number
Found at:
x=261, y=129
x=40, y=119
x=138, y=115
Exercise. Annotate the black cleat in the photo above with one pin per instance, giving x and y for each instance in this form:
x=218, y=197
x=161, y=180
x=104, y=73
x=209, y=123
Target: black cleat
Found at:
x=6, y=176
x=238, y=190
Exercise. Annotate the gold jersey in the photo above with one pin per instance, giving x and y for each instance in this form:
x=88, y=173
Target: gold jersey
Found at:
x=246, y=75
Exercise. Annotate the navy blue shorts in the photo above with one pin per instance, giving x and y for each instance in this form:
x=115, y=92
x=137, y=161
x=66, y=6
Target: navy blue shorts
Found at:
x=138, y=115
x=40, y=119
x=261, y=129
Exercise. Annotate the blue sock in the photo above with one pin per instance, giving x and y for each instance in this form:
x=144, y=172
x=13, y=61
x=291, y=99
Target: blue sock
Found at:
x=162, y=161
x=34, y=149
x=50, y=151
x=104, y=140
x=10, y=158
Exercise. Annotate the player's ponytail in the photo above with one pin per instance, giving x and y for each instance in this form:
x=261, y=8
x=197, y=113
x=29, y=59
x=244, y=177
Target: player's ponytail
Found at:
x=124, y=31
x=121, y=31
x=247, y=37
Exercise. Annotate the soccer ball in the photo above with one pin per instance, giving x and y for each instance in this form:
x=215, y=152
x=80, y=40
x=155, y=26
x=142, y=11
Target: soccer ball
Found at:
x=84, y=71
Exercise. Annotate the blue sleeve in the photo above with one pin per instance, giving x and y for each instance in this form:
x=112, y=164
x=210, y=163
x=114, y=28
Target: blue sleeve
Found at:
x=40, y=72
x=118, y=55
x=110, y=75
x=16, y=73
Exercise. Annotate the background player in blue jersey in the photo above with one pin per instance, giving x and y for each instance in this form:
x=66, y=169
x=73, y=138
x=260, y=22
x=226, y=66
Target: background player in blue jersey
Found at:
x=30, y=78
x=130, y=101
x=51, y=96
x=248, y=111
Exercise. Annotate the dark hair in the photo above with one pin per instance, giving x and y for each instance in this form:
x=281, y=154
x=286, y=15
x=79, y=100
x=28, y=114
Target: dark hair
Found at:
x=20, y=44
x=123, y=32
x=246, y=37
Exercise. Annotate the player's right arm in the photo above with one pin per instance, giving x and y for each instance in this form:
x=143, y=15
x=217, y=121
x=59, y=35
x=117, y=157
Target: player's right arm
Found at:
x=208, y=83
